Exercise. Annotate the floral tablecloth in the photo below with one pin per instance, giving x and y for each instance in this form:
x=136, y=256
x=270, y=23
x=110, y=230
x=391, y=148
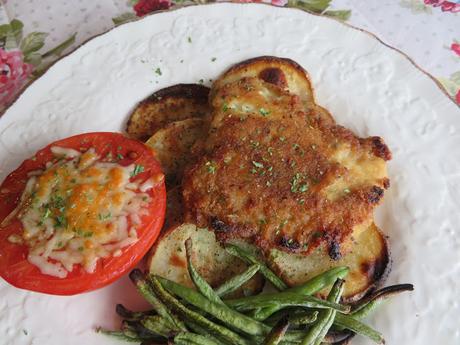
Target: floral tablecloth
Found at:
x=34, y=33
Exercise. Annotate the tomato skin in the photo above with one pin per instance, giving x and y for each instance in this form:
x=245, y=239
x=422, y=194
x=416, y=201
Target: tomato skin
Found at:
x=15, y=268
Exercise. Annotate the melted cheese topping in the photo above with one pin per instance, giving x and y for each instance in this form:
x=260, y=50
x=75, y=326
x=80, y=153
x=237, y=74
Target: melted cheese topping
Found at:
x=80, y=209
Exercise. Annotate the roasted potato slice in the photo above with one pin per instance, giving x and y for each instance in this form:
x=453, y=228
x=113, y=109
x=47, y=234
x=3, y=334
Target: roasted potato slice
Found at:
x=282, y=72
x=173, y=143
x=214, y=264
x=174, y=103
x=368, y=261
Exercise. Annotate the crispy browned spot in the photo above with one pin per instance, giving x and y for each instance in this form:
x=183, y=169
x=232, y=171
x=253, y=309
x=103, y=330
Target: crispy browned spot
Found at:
x=375, y=194
x=274, y=76
x=386, y=183
x=380, y=148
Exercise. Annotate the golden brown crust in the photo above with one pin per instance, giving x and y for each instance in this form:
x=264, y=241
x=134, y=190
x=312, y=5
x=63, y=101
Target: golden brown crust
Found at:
x=279, y=176
x=174, y=103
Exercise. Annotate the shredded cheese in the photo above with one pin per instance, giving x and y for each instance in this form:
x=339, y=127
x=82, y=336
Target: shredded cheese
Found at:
x=79, y=210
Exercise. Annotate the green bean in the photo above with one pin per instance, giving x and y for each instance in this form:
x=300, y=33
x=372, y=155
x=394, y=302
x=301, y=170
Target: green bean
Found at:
x=318, y=330
x=282, y=300
x=321, y=281
x=202, y=285
x=119, y=335
x=157, y=325
x=180, y=309
x=358, y=327
x=303, y=319
x=380, y=295
x=221, y=312
x=193, y=339
x=367, y=309
x=277, y=333
x=252, y=259
x=202, y=331
x=237, y=281
x=134, y=329
x=131, y=315
x=146, y=291
x=261, y=314
x=310, y=287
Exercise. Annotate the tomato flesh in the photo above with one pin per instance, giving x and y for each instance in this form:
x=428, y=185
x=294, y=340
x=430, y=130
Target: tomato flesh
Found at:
x=14, y=266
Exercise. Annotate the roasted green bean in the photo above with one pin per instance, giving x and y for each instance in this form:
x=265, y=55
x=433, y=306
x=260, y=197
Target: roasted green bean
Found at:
x=146, y=291
x=303, y=319
x=377, y=297
x=119, y=335
x=319, y=329
x=321, y=281
x=127, y=314
x=237, y=281
x=221, y=312
x=282, y=300
x=277, y=333
x=310, y=287
x=187, y=338
x=252, y=259
x=202, y=331
x=158, y=325
x=202, y=285
x=180, y=309
x=348, y=322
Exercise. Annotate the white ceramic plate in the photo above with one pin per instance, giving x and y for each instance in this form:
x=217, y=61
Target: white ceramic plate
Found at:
x=367, y=86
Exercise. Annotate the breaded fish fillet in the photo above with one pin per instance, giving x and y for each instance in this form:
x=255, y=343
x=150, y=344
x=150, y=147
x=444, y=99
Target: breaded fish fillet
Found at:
x=281, y=176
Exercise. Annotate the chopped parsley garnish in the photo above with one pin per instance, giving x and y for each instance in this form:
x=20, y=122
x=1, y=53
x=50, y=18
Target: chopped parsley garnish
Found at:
x=104, y=216
x=213, y=59
x=282, y=139
x=225, y=107
x=264, y=112
x=46, y=214
x=60, y=221
x=257, y=164
x=189, y=39
x=254, y=144
x=303, y=188
x=211, y=167
x=296, y=186
x=295, y=146
x=158, y=71
x=201, y=81
x=120, y=156
x=270, y=151
x=137, y=170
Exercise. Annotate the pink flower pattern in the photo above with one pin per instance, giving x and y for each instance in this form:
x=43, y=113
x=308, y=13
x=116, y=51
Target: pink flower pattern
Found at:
x=13, y=74
x=455, y=47
x=446, y=6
